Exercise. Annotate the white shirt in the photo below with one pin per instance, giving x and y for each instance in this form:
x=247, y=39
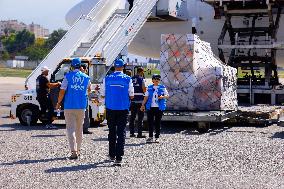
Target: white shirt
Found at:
x=130, y=88
x=155, y=96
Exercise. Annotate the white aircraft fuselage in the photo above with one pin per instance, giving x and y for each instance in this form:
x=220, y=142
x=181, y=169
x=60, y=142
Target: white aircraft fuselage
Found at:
x=147, y=42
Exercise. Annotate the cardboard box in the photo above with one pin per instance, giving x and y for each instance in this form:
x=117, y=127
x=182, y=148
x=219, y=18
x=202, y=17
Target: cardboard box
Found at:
x=195, y=78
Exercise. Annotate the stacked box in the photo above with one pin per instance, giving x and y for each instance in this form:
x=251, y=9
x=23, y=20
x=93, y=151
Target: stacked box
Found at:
x=195, y=78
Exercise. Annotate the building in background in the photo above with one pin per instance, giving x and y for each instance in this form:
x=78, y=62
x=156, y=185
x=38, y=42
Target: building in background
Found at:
x=148, y=63
x=39, y=31
x=13, y=25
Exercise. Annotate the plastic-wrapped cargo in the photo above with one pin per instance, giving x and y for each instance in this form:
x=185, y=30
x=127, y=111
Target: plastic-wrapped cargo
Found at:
x=195, y=78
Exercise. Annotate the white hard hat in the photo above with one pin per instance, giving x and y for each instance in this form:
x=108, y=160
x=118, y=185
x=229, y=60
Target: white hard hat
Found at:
x=44, y=68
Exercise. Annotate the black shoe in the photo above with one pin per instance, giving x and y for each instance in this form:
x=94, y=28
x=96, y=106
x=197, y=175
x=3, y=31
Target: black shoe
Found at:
x=117, y=163
x=87, y=132
x=149, y=140
x=111, y=158
x=141, y=136
x=73, y=156
x=132, y=135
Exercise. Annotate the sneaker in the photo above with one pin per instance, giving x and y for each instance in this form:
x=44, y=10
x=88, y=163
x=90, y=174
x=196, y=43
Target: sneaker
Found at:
x=132, y=135
x=141, y=136
x=50, y=126
x=87, y=132
x=149, y=140
x=157, y=140
x=73, y=156
x=117, y=163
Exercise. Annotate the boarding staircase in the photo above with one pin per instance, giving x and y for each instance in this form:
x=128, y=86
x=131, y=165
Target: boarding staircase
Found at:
x=106, y=29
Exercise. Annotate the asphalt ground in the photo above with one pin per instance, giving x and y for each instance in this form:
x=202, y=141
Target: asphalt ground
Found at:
x=225, y=157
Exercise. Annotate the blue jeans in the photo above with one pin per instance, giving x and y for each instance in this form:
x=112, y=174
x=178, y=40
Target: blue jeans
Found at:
x=116, y=121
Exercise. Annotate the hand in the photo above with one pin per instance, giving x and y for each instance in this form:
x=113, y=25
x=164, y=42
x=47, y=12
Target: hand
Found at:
x=97, y=88
x=58, y=106
x=161, y=97
x=58, y=83
x=142, y=109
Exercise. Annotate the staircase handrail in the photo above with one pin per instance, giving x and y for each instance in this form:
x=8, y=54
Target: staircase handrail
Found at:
x=129, y=18
x=101, y=33
x=72, y=27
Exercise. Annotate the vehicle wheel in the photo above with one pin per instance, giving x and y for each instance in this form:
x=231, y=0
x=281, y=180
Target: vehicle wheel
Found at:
x=203, y=127
x=28, y=110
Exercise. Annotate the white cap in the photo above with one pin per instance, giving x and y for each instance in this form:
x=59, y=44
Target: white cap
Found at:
x=44, y=68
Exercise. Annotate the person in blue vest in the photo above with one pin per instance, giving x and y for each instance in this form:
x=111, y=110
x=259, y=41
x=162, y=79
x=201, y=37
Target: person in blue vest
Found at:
x=117, y=89
x=154, y=102
x=139, y=90
x=74, y=88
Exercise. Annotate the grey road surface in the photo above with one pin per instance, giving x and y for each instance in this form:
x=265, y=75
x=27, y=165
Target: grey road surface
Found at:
x=226, y=157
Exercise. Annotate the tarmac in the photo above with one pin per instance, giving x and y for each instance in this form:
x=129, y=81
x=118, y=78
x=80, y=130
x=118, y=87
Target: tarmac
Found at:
x=225, y=157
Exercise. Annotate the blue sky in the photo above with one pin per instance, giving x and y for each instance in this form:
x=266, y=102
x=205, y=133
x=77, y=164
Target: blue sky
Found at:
x=48, y=13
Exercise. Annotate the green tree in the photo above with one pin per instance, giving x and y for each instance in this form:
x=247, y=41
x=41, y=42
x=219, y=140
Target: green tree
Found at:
x=17, y=42
x=37, y=51
x=5, y=55
x=54, y=38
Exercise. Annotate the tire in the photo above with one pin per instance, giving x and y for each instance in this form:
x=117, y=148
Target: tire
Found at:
x=203, y=127
x=28, y=110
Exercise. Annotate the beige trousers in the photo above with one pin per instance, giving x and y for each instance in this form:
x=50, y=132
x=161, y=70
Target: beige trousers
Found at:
x=74, y=127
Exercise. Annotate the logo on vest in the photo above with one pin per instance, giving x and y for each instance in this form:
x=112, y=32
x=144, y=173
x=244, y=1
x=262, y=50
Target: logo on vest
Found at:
x=78, y=83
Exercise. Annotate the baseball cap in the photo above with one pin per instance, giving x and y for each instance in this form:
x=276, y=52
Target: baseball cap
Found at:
x=44, y=68
x=76, y=62
x=118, y=63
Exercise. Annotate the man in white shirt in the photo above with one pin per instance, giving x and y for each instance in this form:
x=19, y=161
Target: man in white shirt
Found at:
x=117, y=89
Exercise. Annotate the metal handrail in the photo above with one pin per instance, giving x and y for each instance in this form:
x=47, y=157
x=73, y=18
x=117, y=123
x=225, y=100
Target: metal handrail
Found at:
x=72, y=27
x=97, y=13
x=130, y=18
x=103, y=32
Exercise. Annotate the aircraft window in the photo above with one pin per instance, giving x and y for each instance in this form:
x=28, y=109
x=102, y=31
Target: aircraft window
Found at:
x=97, y=73
x=64, y=69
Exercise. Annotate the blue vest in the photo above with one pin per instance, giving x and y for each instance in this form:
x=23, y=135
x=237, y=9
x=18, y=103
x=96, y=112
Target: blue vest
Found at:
x=161, y=102
x=116, y=89
x=138, y=90
x=76, y=92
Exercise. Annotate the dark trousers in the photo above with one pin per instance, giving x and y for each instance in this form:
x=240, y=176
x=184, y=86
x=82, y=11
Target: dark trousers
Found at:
x=116, y=121
x=46, y=105
x=86, y=124
x=135, y=109
x=154, y=113
x=130, y=4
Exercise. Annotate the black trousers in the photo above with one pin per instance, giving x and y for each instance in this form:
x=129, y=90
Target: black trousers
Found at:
x=154, y=114
x=116, y=121
x=46, y=108
x=130, y=3
x=135, y=109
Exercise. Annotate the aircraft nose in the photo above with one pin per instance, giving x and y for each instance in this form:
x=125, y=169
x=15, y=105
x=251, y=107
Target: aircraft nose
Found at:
x=84, y=7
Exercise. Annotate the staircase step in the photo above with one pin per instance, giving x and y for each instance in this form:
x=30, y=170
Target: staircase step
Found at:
x=85, y=45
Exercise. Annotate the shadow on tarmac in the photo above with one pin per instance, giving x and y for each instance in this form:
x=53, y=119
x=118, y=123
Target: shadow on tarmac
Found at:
x=29, y=161
x=19, y=127
x=190, y=128
x=79, y=167
x=47, y=136
x=100, y=139
x=278, y=135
